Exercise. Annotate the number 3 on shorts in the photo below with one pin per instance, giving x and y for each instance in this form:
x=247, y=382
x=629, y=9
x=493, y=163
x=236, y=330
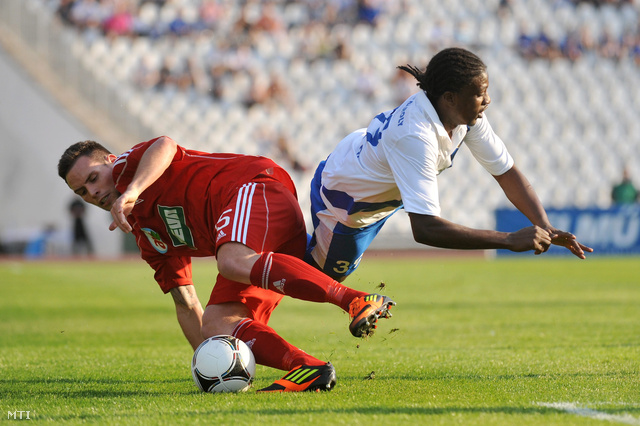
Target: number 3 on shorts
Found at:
x=342, y=268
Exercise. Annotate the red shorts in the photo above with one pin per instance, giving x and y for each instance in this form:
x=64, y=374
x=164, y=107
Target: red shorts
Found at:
x=265, y=216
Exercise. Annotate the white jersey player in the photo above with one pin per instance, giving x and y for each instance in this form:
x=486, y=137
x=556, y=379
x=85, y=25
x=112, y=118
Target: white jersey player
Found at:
x=394, y=162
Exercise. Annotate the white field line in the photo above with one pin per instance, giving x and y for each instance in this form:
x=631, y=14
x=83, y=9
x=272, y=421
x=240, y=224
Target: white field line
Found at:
x=572, y=408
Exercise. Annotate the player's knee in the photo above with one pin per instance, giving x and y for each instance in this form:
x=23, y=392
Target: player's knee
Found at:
x=214, y=329
x=231, y=269
x=235, y=262
x=222, y=318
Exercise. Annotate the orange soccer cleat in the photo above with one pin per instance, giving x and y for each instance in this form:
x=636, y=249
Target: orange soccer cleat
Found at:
x=305, y=378
x=365, y=311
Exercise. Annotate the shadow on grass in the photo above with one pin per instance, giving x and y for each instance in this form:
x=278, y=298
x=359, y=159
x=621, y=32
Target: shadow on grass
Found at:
x=278, y=413
x=491, y=377
x=426, y=411
x=33, y=389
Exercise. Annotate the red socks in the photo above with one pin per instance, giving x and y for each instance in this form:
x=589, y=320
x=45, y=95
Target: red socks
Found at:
x=293, y=277
x=269, y=348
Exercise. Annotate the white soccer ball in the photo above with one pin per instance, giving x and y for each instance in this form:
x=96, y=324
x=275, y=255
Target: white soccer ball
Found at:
x=223, y=364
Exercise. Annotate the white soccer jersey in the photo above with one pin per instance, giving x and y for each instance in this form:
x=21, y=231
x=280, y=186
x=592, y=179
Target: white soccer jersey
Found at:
x=394, y=163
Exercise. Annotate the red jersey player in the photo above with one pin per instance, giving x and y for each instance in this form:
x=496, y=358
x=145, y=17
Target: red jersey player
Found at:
x=243, y=210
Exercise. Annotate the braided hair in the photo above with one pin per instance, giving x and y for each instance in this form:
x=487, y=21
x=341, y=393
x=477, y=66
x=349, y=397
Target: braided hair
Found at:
x=449, y=70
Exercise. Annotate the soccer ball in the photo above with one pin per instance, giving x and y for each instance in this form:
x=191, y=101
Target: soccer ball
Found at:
x=223, y=364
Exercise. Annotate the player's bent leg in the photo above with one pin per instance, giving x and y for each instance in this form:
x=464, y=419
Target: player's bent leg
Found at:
x=305, y=378
x=270, y=349
x=222, y=318
x=235, y=261
x=295, y=278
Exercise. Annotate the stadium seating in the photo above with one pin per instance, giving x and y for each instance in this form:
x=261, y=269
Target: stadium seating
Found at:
x=569, y=123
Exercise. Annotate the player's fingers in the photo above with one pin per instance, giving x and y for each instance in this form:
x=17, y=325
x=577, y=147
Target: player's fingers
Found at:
x=540, y=247
x=575, y=248
x=119, y=220
x=123, y=224
x=579, y=254
x=586, y=248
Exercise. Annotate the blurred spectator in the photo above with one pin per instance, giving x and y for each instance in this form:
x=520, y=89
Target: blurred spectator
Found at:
x=537, y=44
x=609, y=46
x=179, y=74
x=269, y=21
x=145, y=21
x=342, y=48
x=216, y=75
x=505, y=9
x=64, y=12
x=167, y=76
x=315, y=43
x=634, y=49
x=279, y=93
x=121, y=22
x=598, y=3
x=624, y=192
x=572, y=47
x=81, y=241
x=196, y=76
x=526, y=40
x=146, y=75
x=39, y=246
x=210, y=14
x=242, y=27
x=276, y=146
x=368, y=11
x=284, y=152
x=258, y=92
x=270, y=91
x=88, y=15
x=179, y=26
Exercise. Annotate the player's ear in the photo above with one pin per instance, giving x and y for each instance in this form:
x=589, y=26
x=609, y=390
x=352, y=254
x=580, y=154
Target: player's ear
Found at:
x=449, y=97
x=111, y=158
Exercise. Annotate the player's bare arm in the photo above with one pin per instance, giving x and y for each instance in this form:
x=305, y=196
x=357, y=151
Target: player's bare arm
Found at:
x=522, y=195
x=438, y=232
x=189, y=312
x=152, y=165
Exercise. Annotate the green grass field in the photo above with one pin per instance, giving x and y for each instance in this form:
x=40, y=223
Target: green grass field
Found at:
x=472, y=341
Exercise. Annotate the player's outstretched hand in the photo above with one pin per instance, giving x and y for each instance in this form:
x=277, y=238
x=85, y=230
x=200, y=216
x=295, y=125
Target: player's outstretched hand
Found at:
x=568, y=240
x=121, y=208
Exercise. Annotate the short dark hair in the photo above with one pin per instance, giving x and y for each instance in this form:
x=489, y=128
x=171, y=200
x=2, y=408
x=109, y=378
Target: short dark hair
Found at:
x=77, y=150
x=449, y=70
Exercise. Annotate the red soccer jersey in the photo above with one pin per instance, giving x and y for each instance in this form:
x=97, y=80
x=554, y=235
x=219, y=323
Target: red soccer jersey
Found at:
x=174, y=219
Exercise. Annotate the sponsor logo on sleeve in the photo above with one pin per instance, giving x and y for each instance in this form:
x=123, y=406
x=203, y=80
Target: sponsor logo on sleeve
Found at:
x=155, y=240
